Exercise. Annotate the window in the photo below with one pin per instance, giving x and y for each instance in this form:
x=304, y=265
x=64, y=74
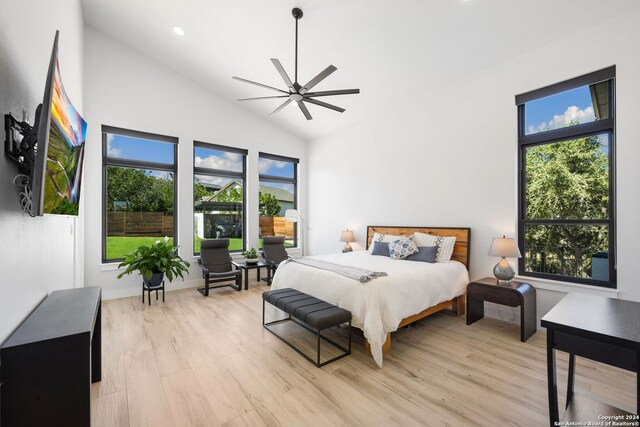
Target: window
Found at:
x=278, y=192
x=218, y=194
x=566, y=224
x=139, y=188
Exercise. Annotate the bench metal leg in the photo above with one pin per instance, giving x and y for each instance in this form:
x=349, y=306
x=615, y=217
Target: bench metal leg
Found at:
x=317, y=363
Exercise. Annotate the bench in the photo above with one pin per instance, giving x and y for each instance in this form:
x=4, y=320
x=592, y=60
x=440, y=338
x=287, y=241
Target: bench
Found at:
x=312, y=314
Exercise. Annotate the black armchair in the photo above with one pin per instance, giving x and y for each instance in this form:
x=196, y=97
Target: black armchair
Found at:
x=273, y=252
x=215, y=261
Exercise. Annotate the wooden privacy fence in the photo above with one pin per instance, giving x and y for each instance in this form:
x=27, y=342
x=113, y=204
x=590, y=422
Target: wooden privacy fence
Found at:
x=139, y=224
x=276, y=226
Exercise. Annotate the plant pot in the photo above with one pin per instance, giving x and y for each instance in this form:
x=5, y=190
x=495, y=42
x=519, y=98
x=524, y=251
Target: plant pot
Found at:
x=251, y=260
x=155, y=280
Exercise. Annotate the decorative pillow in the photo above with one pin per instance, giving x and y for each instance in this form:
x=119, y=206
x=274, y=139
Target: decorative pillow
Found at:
x=444, y=244
x=380, y=248
x=425, y=254
x=402, y=248
x=387, y=238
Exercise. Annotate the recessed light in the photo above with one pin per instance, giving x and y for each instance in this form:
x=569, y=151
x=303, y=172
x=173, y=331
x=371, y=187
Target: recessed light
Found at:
x=179, y=31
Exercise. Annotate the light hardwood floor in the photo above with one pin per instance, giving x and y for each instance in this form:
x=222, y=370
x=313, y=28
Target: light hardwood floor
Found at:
x=208, y=361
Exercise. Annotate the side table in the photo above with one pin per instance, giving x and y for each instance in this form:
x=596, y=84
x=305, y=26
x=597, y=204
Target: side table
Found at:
x=245, y=267
x=512, y=294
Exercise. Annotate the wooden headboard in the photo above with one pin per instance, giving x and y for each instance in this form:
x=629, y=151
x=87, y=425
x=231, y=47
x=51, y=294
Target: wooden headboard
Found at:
x=461, y=250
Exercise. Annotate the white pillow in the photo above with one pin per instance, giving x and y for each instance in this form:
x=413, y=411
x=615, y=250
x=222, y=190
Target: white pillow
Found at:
x=444, y=244
x=386, y=238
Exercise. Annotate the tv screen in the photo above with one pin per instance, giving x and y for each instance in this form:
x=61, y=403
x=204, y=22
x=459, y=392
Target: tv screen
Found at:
x=58, y=170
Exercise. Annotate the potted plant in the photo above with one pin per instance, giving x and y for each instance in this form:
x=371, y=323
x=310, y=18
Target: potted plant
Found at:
x=251, y=256
x=154, y=262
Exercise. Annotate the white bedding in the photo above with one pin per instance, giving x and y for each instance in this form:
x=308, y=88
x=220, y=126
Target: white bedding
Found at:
x=379, y=305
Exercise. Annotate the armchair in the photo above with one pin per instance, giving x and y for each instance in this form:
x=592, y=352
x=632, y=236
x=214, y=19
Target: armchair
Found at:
x=215, y=262
x=273, y=251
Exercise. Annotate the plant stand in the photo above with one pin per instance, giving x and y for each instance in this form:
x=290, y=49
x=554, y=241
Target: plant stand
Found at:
x=149, y=288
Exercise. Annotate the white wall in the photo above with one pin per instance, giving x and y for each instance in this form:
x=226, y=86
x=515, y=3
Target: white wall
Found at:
x=449, y=158
x=37, y=255
x=124, y=88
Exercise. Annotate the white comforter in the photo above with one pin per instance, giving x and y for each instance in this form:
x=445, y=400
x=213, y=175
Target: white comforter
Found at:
x=379, y=305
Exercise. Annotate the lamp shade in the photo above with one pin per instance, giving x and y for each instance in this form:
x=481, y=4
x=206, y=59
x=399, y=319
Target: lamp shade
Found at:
x=504, y=247
x=347, y=236
x=291, y=215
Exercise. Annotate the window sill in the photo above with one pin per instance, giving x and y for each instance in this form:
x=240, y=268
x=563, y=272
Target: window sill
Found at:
x=110, y=266
x=566, y=287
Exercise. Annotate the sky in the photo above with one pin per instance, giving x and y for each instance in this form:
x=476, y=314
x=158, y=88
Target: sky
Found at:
x=557, y=110
x=223, y=160
x=125, y=147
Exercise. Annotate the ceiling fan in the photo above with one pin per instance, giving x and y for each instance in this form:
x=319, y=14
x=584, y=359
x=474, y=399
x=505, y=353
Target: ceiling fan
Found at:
x=297, y=93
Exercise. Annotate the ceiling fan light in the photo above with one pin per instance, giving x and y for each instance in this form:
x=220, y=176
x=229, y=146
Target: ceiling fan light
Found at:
x=297, y=93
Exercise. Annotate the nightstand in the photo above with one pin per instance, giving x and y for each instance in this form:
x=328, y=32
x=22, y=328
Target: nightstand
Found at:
x=512, y=294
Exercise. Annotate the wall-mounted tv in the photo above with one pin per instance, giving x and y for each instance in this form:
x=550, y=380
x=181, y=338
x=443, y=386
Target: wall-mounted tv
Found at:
x=64, y=149
x=50, y=154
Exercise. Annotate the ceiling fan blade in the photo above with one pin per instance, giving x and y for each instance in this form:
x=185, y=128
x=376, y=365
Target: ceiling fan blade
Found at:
x=262, y=97
x=259, y=84
x=317, y=79
x=304, y=109
x=324, y=104
x=333, y=92
x=283, y=74
x=284, y=104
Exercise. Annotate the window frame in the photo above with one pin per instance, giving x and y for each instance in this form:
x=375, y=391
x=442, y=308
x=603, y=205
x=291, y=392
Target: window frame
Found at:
x=597, y=127
x=136, y=164
x=224, y=174
x=284, y=180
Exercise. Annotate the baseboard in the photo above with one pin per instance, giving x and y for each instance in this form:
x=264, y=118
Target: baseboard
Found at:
x=178, y=284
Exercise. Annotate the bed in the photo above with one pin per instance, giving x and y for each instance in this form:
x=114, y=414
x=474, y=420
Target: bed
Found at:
x=409, y=292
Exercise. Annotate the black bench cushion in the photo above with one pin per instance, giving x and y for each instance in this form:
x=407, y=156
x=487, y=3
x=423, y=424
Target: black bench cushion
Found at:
x=312, y=311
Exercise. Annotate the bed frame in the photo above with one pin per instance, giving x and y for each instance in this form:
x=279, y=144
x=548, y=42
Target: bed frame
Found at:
x=461, y=253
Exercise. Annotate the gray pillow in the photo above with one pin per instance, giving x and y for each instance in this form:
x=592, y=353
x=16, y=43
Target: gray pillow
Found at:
x=380, y=248
x=426, y=254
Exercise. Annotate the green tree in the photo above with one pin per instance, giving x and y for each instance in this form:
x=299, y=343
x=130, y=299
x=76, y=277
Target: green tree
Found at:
x=269, y=205
x=566, y=180
x=140, y=191
x=165, y=192
x=231, y=195
x=200, y=191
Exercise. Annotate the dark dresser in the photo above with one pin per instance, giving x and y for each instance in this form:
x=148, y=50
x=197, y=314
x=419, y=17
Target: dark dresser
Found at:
x=48, y=364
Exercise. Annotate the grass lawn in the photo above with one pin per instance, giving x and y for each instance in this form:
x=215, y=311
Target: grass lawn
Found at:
x=234, y=244
x=119, y=247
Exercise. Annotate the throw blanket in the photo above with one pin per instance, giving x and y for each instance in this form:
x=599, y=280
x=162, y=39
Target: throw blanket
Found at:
x=355, y=273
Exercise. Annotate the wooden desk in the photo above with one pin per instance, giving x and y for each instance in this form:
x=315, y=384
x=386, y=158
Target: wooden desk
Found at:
x=50, y=361
x=602, y=329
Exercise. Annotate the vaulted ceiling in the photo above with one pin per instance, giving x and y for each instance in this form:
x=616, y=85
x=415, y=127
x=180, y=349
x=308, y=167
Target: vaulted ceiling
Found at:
x=390, y=49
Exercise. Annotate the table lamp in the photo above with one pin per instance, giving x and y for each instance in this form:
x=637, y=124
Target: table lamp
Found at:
x=347, y=237
x=506, y=248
